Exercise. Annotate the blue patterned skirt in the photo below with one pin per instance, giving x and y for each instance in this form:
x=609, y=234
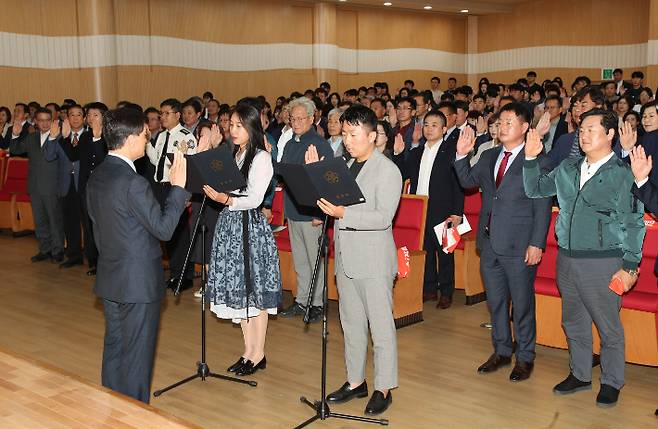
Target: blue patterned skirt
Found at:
x=235, y=293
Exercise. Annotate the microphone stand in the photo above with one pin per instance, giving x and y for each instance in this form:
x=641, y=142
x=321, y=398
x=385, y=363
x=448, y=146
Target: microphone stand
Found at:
x=322, y=411
x=203, y=371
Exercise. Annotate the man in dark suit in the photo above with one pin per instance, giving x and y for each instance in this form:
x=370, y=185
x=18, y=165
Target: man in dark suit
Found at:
x=20, y=116
x=42, y=187
x=128, y=226
x=429, y=167
x=87, y=152
x=511, y=236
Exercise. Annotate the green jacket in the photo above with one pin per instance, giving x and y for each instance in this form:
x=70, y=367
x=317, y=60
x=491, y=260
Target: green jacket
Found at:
x=603, y=219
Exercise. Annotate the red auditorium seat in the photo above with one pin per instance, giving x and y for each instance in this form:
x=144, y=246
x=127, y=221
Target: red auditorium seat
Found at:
x=467, y=260
x=15, y=208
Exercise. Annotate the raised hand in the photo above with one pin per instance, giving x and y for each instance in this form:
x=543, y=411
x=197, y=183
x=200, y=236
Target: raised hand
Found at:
x=311, y=155
x=398, y=146
x=533, y=144
x=178, y=171
x=16, y=128
x=466, y=141
x=418, y=132
x=392, y=114
x=544, y=124
x=215, y=135
x=570, y=126
x=66, y=128
x=641, y=164
x=320, y=131
x=204, y=143
x=268, y=146
x=54, y=129
x=481, y=125
x=627, y=136
x=97, y=128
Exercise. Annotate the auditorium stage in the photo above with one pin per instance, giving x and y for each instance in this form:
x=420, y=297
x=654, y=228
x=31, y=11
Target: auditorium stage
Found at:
x=51, y=315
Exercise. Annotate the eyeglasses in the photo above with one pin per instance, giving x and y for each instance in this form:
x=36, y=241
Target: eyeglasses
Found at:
x=297, y=120
x=165, y=113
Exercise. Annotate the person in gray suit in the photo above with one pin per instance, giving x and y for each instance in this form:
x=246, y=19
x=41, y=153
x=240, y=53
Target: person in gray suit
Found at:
x=42, y=182
x=366, y=262
x=128, y=225
x=511, y=236
x=334, y=126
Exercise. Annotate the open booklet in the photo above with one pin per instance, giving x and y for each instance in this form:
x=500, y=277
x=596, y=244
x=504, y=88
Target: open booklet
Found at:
x=449, y=235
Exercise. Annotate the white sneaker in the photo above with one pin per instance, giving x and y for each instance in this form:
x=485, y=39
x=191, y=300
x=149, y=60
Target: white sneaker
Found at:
x=198, y=293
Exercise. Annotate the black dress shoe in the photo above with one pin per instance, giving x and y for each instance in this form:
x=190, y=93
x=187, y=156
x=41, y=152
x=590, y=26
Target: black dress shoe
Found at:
x=345, y=394
x=248, y=368
x=607, y=396
x=40, y=257
x=521, y=371
x=378, y=403
x=430, y=296
x=237, y=365
x=91, y=271
x=296, y=309
x=571, y=385
x=315, y=314
x=444, y=302
x=493, y=363
x=57, y=258
x=71, y=263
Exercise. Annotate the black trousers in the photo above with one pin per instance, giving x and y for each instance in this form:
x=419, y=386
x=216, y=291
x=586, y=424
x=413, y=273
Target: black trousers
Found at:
x=180, y=241
x=439, y=276
x=72, y=211
x=131, y=332
x=91, y=252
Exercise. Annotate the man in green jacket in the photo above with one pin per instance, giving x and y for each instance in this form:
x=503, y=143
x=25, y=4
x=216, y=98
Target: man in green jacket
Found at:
x=599, y=230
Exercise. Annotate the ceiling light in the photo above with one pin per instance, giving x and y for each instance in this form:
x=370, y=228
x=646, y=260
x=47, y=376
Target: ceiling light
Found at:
x=343, y=1
x=464, y=11
x=388, y=3
x=427, y=7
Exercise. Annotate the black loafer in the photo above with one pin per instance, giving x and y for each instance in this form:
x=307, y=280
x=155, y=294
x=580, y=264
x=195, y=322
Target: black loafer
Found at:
x=345, y=394
x=521, y=371
x=57, y=258
x=71, y=263
x=249, y=368
x=493, y=363
x=571, y=385
x=607, y=396
x=237, y=365
x=378, y=403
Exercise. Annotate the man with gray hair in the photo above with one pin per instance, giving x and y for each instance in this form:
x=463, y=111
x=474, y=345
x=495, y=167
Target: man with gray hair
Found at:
x=303, y=222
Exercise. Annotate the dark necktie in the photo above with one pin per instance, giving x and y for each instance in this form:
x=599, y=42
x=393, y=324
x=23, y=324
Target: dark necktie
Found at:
x=75, y=140
x=161, y=162
x=502, y=167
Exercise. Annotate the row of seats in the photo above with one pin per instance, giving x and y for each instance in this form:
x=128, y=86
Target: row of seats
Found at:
x=15, y=207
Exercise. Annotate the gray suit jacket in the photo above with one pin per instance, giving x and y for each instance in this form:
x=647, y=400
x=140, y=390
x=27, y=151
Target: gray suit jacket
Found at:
x=364, y=236
x=128, y=226
x=53, y=151
x=516, y=220
x=42, y=175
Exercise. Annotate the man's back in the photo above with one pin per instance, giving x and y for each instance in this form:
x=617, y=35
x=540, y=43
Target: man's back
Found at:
x=128, y=224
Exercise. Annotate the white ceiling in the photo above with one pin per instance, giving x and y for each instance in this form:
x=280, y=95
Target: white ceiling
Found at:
x=475, y=7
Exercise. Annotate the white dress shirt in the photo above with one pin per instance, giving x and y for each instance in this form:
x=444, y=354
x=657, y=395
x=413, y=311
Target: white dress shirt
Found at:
x=125, y=159
x=258, y=182
x=588, y=170
x=44, y=137
x=426, y=164
x=511, y=159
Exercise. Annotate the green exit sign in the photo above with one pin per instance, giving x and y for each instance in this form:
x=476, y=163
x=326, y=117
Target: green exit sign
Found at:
x=606, y=74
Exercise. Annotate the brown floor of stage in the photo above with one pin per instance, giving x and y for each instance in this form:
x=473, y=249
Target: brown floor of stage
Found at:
x=51, y=315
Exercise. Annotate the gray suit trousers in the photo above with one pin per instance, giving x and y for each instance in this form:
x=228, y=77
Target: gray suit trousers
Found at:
x=586, y=298
x=48, y=222
x=304, y=243
x=364, y=302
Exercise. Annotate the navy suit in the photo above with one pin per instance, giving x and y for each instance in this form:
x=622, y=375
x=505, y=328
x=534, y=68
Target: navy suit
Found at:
x=509, y=223
x=128, y=226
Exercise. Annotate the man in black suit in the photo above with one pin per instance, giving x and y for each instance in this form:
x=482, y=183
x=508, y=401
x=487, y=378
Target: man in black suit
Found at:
x=429, y=167
x=42, y=182
x=128, y=226
x=20, y=117
x=511, y=236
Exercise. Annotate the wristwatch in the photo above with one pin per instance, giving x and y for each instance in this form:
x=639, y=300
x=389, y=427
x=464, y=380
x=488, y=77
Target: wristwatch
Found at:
x=632, y=272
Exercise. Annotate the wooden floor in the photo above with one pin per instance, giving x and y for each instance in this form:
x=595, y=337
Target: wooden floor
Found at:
x=52, y=316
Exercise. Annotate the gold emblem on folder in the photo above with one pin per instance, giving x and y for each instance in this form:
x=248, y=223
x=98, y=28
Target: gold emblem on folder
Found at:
x=216, y=165
x=331, y=177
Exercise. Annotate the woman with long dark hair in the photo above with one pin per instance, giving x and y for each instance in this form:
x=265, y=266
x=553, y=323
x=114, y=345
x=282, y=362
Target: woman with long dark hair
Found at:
x=244, y=282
